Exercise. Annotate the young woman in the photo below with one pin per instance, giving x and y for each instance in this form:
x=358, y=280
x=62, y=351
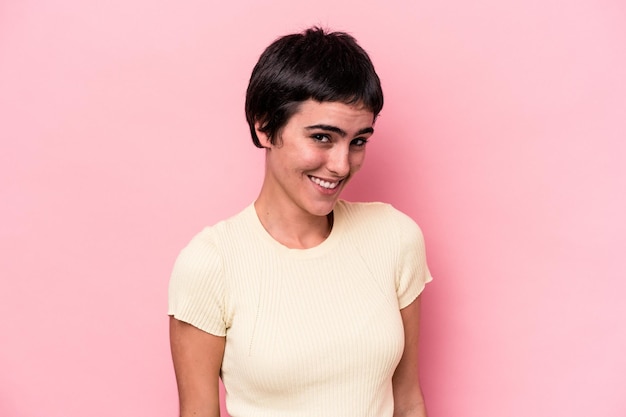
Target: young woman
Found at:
x=304, y=304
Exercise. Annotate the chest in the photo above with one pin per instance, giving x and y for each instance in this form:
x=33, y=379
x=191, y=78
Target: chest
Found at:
x=300, y=324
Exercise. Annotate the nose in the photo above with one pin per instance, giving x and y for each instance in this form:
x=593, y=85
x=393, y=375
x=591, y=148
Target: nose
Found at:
x=338, y=162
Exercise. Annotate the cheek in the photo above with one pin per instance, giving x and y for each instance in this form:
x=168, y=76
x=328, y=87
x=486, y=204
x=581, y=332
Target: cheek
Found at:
x=310, y=159
x=356, y=161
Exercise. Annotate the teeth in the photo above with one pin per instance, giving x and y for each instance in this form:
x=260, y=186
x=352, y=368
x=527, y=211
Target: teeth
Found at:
x=323, y=183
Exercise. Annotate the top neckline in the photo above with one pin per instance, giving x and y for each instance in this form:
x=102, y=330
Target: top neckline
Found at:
x=316, y=251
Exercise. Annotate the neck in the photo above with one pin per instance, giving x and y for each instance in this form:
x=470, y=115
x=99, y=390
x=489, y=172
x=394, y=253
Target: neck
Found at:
x=293, y=228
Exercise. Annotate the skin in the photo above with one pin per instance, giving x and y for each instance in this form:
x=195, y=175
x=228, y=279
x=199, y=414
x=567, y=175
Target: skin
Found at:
x=321, y=142
x=407, y=393
x=324, y=141
x=197, y=357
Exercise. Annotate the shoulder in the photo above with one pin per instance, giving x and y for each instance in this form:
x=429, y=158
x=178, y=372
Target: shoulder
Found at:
x=204, y=250
x=209, y=237
x=378, y=216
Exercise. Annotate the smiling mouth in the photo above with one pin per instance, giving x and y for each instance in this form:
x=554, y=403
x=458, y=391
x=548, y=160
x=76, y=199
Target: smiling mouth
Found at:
x=325, y=184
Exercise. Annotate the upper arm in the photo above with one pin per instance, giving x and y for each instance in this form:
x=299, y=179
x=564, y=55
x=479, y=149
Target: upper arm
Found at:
x=197, y=357
x=407, y=393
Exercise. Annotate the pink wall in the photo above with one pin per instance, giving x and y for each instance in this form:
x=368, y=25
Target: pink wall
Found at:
x=122, y=134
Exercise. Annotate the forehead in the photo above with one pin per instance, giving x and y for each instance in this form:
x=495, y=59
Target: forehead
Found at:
x=333, y=113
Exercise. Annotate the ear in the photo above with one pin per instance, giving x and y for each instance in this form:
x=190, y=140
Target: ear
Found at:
x=263, y=137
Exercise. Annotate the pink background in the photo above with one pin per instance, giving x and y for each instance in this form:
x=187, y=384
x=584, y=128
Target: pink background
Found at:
x=122, y=134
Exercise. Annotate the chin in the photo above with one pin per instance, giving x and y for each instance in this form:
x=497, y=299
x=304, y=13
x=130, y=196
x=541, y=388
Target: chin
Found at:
x=323, y=209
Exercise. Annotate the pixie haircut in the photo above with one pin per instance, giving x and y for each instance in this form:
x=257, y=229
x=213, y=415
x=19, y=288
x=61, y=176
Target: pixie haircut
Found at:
x=315, y=64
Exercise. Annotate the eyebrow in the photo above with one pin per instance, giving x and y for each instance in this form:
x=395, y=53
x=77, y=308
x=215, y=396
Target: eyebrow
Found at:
x=339, y=131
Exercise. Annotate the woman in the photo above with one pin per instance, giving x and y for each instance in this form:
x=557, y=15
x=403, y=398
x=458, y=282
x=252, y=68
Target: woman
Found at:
x=304, y=304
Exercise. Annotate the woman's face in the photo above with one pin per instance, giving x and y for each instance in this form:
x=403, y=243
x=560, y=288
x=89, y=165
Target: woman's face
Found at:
x=319, y=149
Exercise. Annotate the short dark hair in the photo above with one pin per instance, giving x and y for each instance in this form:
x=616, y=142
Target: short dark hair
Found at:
x=315, y=64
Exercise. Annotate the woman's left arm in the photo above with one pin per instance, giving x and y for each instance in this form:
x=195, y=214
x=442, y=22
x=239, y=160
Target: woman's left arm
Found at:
x=407, y=394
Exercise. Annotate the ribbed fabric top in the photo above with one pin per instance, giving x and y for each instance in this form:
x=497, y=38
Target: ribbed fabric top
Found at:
x=309, y=332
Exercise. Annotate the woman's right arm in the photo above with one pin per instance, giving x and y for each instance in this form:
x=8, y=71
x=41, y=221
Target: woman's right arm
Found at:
x=197, y=357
